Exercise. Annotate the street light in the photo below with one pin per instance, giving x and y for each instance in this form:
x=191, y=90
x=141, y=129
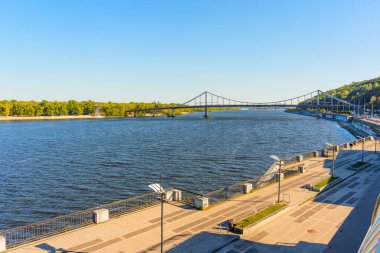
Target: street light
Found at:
x=158, y=189
x=375, y=137
x=362, y=139
x=279, y=174
x=333, y=159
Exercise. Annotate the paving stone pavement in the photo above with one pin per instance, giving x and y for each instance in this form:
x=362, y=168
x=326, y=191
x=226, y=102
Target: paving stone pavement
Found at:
x=335, y=221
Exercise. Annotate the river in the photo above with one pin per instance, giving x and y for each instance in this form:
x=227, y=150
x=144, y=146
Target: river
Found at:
x=50, y=168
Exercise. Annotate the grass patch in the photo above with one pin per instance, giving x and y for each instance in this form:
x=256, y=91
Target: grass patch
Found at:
x=260, y=215
x=325, y=182
x=359, y=164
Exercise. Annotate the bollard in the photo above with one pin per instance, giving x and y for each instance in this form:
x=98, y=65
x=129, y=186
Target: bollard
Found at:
x=177, y=195
x=101, y=215
x=282, y=176
x=302, y=168
x=201, y=203
x=168, y=196
x=3, y=245
x=299, y=158
x=315, y=153
x=247, y=188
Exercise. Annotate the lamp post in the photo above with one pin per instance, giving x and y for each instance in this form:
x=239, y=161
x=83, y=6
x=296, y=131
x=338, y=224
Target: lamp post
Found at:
x=362, y=140
x=333, y=159
x=279, y=175
x=158, y=189
x=375, y=143
x=376, y=135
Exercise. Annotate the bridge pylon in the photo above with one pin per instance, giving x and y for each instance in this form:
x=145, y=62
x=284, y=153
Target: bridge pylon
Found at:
x=172, y=115
x=318, y=105
x=206, y=115
x=206, y=108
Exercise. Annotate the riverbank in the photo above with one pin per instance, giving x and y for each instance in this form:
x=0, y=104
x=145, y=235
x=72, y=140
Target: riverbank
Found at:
x=355, y=126
x=68, y=117
x=26, y=118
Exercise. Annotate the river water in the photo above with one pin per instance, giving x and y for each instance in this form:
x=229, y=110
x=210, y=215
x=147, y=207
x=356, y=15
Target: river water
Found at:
x=50, y=168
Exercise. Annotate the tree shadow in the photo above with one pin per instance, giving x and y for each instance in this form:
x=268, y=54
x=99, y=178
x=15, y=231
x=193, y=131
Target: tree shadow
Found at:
x=203, y=242
x=51, y=249
x=207, y=242
x=341, y=162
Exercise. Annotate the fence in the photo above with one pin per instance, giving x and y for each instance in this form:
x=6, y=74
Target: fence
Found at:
x=39, y=230
x=188, y=197
x=223, y=194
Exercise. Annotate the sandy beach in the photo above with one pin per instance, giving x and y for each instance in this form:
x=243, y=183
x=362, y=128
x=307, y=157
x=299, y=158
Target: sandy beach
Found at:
x=23, y=118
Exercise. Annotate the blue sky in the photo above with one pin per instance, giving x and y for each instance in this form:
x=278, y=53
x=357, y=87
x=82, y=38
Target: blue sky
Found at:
x=173, y=50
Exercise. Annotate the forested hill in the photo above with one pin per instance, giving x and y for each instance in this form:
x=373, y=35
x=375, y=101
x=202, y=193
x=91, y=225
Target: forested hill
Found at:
x=367, y=91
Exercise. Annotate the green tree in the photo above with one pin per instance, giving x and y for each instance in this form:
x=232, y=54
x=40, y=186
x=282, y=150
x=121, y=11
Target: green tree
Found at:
x=74, y=108
x=5, y=108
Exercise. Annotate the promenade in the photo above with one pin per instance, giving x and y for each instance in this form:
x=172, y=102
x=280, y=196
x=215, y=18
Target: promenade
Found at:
x=313, y=226
x=335, y=221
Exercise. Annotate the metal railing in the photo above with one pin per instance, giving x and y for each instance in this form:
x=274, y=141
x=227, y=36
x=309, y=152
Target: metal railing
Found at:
x=122, y=207
x=43, y=229
x=47, y=228
x=231, y=191
x=188, y=197
x=224, y=193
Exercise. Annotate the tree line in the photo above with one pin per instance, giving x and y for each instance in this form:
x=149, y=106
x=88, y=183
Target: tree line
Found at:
x=45, y=108
x=73, y=107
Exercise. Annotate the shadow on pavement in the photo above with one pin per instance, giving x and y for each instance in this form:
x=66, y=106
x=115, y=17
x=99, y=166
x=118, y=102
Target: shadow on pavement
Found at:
x=51, y=249
x=204, y=242
x=255, y=247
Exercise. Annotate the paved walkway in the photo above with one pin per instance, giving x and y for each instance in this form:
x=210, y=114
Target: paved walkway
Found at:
x=336, y=221
x=186, y=229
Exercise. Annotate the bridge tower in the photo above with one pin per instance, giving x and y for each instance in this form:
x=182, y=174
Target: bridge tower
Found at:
x=206, y=106
x=318, y=105
x=172, y=115
x=206, y=113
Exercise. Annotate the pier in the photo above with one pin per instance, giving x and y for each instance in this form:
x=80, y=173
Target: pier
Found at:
x=312, y=220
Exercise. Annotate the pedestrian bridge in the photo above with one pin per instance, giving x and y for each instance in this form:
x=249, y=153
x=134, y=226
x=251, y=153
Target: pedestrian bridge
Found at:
x=314, y=100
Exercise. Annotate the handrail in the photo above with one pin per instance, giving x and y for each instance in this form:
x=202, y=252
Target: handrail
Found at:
x=42, y=229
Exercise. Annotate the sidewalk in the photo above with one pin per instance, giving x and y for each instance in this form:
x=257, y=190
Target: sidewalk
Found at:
x=186, y=228
x=335, y=221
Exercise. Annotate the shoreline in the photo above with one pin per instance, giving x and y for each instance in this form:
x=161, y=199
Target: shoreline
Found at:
x=72, y=117
x=27, y=118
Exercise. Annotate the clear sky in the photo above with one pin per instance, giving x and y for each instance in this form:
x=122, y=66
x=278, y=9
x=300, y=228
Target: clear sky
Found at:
x=166, y=50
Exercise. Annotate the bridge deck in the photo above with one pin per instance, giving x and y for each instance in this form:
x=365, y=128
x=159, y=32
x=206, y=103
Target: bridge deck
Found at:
x=187, y=228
